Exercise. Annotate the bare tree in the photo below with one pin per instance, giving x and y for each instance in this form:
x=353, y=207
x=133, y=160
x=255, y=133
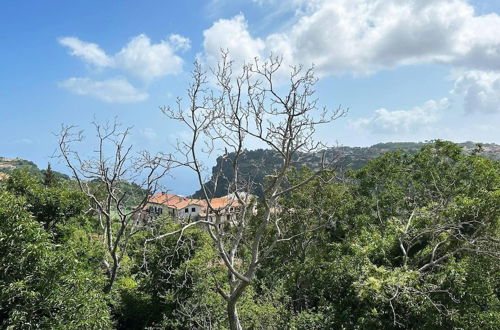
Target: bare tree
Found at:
x=247, y=106
x=101, y=178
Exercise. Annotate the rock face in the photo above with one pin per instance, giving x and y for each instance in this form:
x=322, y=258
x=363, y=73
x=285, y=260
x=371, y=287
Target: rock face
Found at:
x=255, y=164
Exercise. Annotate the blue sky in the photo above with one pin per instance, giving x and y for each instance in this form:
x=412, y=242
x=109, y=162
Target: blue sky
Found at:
x=408, y=70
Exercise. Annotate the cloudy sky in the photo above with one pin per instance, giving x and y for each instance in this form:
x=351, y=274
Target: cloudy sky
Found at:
x=408, y=70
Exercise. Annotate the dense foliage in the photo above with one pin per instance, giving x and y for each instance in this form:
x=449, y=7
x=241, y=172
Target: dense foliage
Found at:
x=414, y=243
x=49, y=271
x=411, y=240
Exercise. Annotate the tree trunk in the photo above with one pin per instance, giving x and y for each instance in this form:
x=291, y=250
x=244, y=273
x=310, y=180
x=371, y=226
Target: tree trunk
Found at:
x=112, y=278
x=234, y=319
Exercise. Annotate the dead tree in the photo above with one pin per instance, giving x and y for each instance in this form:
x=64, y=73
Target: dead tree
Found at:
x=243, y=107
x=101, y=178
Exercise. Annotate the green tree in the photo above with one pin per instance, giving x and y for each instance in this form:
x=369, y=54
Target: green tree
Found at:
x=44, y=284
x=50, y=205
x=416, y=246
x=49, y=179
x=426, y=218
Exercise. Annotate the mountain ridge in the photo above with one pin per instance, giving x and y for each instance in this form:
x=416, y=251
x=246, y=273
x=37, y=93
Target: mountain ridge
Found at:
x=259, y=162
x=255, y=164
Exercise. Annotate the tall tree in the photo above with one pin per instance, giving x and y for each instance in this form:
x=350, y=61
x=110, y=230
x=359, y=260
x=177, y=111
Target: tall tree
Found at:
x=101, y=179
x=243, y=107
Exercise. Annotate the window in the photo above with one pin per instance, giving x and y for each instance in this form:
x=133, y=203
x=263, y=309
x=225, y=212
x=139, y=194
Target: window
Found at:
x=228, y=217
x=160, y=210
x=186, y=210
x=193, y=209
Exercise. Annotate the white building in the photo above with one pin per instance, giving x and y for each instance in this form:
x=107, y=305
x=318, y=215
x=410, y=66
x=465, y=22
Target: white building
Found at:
x=181, y=208
x=178, y=207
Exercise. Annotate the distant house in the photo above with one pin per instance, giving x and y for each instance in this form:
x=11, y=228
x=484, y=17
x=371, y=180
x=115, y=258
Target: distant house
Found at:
x=226, y=208
x=181, y=208
x=178, y=207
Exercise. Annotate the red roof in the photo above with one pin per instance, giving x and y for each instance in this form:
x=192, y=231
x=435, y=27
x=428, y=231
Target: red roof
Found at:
x=174, y=201
x=180, y=202
x=223, y=202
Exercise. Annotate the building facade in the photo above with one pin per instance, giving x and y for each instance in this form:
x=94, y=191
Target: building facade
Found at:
x=222, y=209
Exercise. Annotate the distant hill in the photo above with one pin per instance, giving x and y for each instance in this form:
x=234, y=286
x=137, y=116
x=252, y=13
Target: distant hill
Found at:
x=7, y=165
x=134, y=193
x=255, y=164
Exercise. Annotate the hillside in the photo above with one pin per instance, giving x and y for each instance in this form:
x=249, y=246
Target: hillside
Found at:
x=255, y=164
x=7, y=165
x=134, y=193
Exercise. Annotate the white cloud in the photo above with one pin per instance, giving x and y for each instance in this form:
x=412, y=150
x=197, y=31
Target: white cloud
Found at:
x=233, y=35
x=402, y=121
x=140, y=57
x=148, y=61
x=179, y=42
x=364, y=36
x=479, y=42
x=89, y=52
x=116, y=90
x=481, y=91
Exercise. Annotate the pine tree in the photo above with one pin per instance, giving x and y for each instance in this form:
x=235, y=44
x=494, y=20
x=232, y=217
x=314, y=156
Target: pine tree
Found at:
x=49, y=178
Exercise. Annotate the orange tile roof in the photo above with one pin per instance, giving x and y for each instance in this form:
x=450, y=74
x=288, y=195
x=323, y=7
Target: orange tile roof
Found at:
x=173, y=201
x=220, y=203
x=223, y=202
x=180, y=202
